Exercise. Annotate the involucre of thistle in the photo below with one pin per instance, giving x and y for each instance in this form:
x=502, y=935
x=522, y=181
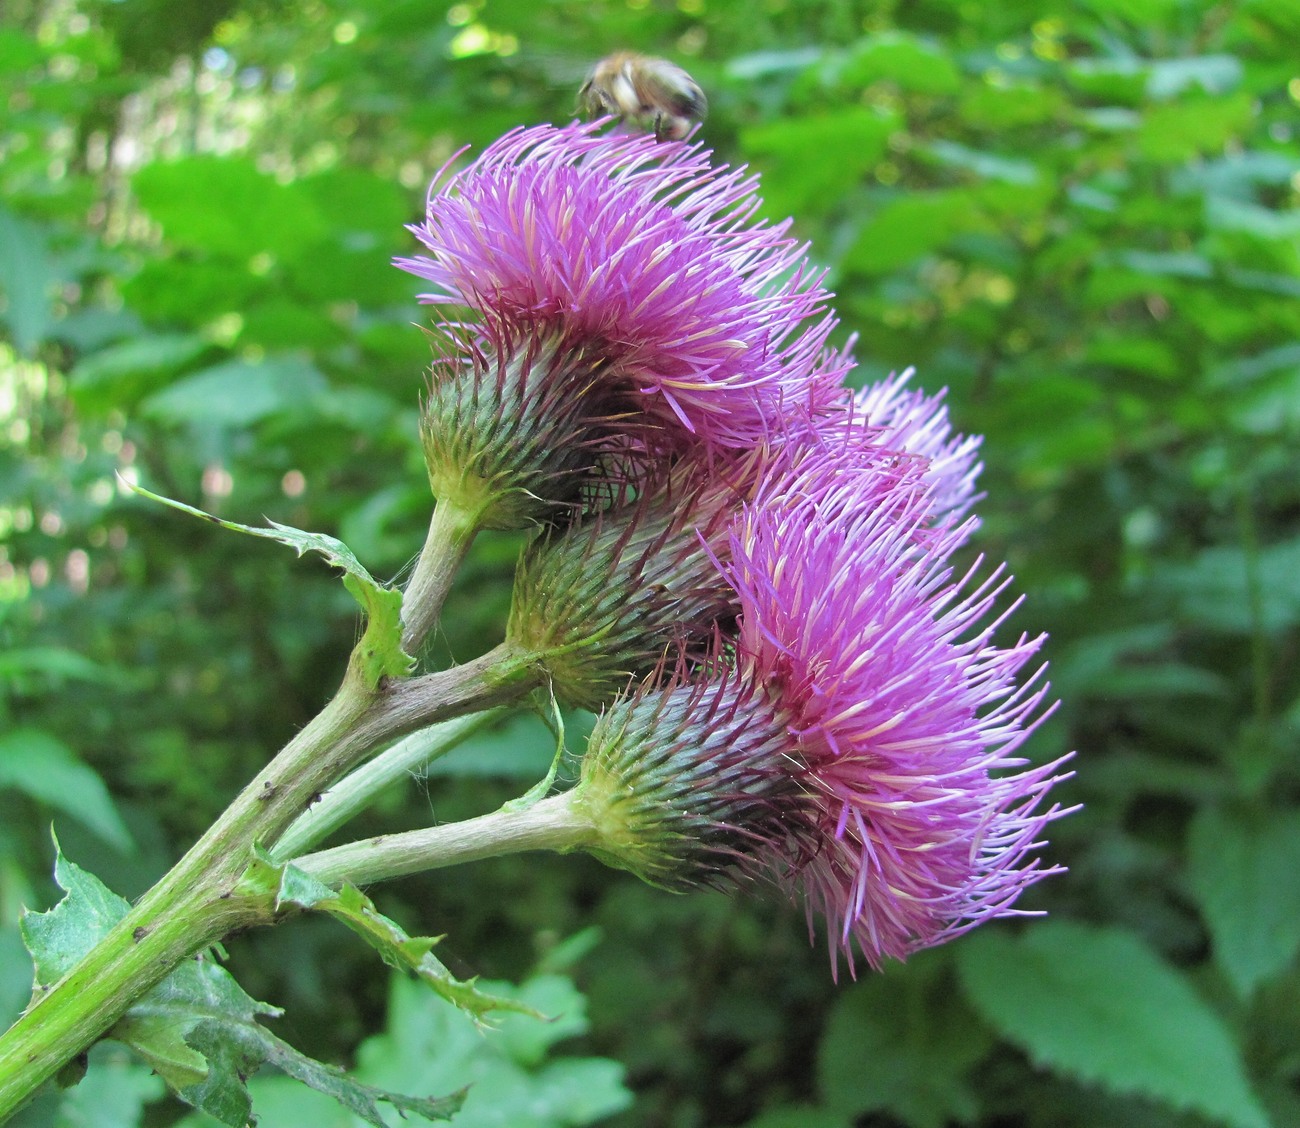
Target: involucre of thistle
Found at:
x=678, y=778
x=709, y=325
x=608, y=597
x=505, y=428
x=869, y=724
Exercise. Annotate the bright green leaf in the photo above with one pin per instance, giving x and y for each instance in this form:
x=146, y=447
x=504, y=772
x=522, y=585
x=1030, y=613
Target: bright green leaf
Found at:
x=172, y=291
x=238, y=393
x=1097, y=1004
x=798, y=177
x=37, y=764
x=1006, y=107
x=19, y=51
x=1181, y=130
x=1135, y=11
x=910, y=226
x=903, y=59
x=248, y=213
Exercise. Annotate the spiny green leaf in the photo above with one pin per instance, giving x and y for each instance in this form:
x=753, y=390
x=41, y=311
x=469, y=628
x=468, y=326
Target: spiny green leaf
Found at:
x=1242, y=870
x=379, y=652
x=160, y=1040
x=60, y=937
x=397, y=949
x=199, y=1030
x=1098, y=1004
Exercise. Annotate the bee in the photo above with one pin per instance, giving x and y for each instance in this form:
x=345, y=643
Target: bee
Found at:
x=649, y=93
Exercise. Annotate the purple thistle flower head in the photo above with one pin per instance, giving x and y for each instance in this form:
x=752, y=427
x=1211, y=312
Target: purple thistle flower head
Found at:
x=905, y=711
x=644, y=252
x=857, y=745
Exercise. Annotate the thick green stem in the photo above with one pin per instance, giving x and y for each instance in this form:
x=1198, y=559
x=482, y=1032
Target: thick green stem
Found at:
x=191, y=907
x=166, y=927
x=354, y=792
x=550, y=824
x=451, y=531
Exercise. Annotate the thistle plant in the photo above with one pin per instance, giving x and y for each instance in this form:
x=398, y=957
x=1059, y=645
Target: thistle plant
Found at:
x=748, y=571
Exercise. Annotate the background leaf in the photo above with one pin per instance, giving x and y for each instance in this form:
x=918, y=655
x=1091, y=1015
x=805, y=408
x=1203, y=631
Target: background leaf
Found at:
x=1098, y=1004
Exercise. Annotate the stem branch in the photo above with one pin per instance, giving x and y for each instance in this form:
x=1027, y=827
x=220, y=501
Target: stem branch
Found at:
x=353, y=793
x=550, y=824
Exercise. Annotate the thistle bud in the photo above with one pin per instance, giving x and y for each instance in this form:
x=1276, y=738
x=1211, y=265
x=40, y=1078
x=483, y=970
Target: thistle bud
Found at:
x=686, y=786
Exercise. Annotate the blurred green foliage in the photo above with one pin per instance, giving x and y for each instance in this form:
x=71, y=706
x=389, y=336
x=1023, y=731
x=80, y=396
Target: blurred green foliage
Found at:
x=1079, y=217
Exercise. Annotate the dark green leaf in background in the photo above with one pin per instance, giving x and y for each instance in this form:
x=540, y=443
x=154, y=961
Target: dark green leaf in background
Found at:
x=902, y=1043
x=1243, y=871
x=238, y=393
x=26, y=276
